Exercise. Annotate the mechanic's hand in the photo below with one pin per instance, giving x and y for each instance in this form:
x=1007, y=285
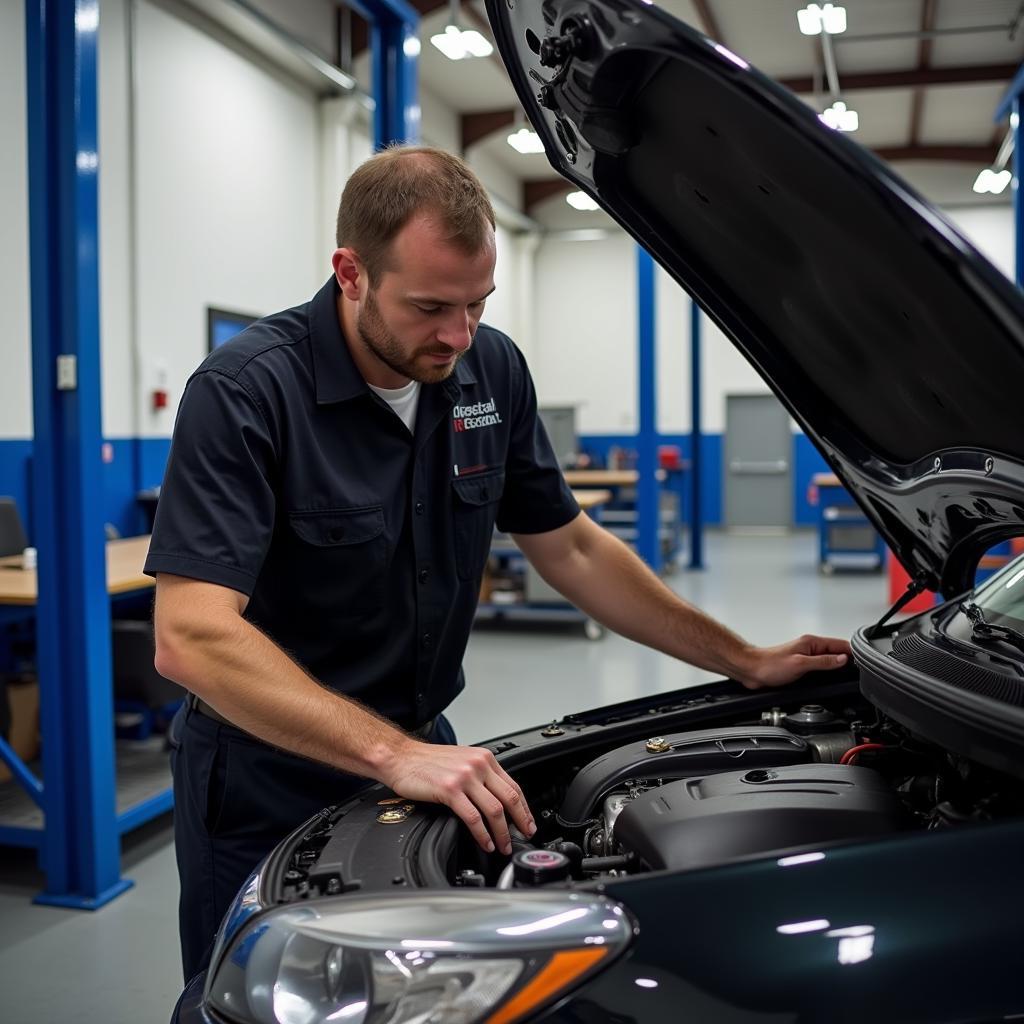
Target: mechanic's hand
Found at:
x=777, y=666
x=470, y=781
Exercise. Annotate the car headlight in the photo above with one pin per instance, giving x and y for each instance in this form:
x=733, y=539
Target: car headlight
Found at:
x=456, y=958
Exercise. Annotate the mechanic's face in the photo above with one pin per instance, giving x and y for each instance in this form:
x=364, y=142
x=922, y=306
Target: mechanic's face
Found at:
x=421, y=317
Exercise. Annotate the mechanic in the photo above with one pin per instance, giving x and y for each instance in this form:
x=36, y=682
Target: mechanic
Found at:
x=325, y=518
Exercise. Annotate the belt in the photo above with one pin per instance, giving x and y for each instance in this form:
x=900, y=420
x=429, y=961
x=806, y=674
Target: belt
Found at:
x=196, y=703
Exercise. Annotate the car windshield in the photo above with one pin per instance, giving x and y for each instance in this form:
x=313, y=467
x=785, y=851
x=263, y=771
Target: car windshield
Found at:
x=1001, y=598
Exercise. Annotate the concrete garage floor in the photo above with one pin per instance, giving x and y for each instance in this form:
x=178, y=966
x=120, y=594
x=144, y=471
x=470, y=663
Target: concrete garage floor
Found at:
x=120, y=965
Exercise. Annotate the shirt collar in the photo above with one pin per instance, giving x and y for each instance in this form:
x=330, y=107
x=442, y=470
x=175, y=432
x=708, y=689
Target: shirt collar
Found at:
x=335, y=372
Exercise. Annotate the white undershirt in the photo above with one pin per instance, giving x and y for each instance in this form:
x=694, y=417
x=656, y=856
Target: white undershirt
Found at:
x=403, y=400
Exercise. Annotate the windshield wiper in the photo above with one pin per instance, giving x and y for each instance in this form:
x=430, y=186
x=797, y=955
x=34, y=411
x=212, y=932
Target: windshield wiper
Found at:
x=982, y=629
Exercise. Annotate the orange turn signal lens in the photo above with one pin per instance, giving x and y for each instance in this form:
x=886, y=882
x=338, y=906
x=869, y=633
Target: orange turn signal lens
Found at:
x=561, y=971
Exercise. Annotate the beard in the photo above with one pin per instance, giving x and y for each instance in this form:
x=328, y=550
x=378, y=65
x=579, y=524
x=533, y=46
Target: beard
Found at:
x=378, y=338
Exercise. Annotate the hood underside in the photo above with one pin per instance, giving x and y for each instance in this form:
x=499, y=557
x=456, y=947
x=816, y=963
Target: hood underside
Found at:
x=897, y=347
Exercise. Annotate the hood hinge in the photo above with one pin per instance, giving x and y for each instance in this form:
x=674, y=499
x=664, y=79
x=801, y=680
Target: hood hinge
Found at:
x=916, y=586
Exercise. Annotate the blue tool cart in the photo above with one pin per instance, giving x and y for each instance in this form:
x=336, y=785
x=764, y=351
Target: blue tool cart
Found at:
x=846, y=538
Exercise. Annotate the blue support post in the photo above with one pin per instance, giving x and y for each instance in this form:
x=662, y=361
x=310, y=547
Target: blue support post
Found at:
x=648, y=517
x=80, y=848
x=696, y=516
x=394, y=52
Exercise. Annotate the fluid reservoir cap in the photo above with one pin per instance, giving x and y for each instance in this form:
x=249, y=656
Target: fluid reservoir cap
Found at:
x=539, y=867
x=757, y=775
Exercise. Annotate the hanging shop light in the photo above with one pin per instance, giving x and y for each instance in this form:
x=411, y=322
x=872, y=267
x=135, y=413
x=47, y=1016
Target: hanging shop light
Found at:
x=993, y=181
x=581, y=201
x=458, y=43
x=840, y=117
x=526, y=140
x=817, y=18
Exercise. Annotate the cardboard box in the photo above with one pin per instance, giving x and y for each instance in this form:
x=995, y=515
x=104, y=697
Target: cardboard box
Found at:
x=23, y=697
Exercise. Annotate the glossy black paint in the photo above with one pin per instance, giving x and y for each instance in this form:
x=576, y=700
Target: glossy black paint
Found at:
x=875, y=322
x=945, y=912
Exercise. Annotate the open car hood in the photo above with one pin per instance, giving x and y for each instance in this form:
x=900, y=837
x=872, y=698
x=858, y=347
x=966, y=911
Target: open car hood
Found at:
x=896, y=346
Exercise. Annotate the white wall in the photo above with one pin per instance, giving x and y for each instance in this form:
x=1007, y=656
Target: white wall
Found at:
x=121, y=398
x=990, y=230
x=15, y=346
x=584, y=330
x=227, y=181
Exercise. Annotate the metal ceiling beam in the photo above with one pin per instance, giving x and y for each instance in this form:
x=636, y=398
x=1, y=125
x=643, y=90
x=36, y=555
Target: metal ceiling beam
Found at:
x=478, y=125
x=924, y=58
x=535, y=192
x=911, y=78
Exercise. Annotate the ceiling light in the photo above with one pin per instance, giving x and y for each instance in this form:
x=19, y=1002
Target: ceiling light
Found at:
x=411, y=46
x=458, y=43
x=992, y=181
x=840, y=117
x=526, y=140
x=581, y=201
x=817, y=18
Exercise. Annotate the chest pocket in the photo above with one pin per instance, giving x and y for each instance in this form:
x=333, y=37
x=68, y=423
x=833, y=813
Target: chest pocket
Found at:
x=475, y=505
x=340, y=556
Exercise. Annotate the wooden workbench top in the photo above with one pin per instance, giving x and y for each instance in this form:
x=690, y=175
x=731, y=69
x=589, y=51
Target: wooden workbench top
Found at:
x=591, y=499
x=605, y=477
x=125, y=559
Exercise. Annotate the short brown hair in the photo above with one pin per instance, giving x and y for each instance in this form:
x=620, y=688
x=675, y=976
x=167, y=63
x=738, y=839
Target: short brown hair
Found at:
x=386, y=191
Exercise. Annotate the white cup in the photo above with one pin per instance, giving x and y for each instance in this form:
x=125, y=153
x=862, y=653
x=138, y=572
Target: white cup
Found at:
x=28, y=558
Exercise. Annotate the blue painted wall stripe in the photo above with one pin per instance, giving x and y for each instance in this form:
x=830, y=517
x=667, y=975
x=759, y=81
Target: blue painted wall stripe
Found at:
x=119, y=504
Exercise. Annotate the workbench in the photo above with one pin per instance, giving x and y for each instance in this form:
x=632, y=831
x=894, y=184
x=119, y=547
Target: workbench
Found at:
x=620, y=517
x=125, y=559
x=143, y=778
x=533, y=597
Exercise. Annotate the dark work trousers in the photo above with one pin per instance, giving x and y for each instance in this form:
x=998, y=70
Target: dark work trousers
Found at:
x=235, y=799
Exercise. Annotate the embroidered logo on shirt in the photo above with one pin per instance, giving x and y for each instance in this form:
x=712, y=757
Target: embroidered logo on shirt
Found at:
x=471, y=417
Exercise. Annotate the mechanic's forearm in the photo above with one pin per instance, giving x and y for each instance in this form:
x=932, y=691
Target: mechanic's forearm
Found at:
x=246, y=677
x=605, y=579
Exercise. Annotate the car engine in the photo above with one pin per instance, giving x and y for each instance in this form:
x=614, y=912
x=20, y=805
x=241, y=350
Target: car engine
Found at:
x=797, y=779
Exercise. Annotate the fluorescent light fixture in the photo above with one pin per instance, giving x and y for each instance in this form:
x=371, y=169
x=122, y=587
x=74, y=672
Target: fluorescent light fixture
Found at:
x=992, y=181
x=581, y=201
x=526, y=140
x=458, y=43
x=840, y=117
x=817, y=18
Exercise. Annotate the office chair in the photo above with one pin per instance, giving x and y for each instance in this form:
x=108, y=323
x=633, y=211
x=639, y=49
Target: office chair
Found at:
x=12, y=534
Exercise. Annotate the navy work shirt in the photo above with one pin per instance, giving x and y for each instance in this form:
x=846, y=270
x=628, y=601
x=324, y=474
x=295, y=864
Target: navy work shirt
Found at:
x=360, y=546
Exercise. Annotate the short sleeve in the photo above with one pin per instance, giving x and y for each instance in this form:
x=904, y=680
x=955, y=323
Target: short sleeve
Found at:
x=215, y=516
x=536, y=497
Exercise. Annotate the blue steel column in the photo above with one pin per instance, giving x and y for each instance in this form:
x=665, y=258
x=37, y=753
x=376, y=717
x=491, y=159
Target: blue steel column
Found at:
x=80, y=853
x=394, y=49
x=696, y=516
x=647, y=489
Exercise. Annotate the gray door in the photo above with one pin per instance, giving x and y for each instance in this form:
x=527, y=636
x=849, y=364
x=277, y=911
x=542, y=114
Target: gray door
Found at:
x=758, y=470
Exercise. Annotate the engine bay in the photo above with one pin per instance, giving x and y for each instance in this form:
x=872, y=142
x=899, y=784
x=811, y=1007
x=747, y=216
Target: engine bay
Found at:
x=613, y=799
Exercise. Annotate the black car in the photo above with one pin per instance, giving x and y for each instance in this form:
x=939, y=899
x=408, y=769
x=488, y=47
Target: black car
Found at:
x=850, y=848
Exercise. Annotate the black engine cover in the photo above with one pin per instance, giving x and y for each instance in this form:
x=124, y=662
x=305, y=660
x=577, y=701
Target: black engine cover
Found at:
x=710, y=820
